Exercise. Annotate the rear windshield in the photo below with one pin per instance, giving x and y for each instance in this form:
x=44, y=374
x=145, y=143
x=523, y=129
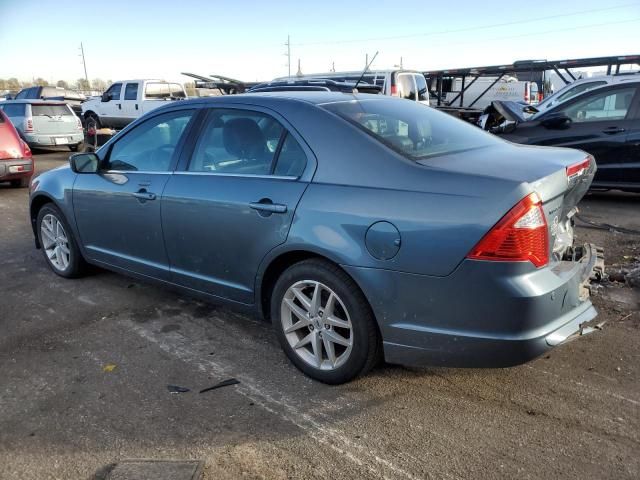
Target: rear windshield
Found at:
x=412, y=129
x=50, y=110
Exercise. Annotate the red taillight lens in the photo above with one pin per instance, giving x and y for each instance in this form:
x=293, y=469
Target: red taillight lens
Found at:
x=578, y=169
x=28, y=125
x=394, y=90
x=520, y=236
x=26, y=151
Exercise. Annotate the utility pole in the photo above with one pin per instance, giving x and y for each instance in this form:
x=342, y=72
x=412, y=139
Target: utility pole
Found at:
x=84, y=64
x=288, y=54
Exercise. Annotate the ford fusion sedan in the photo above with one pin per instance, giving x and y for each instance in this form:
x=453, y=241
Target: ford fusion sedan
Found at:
x=364, y=227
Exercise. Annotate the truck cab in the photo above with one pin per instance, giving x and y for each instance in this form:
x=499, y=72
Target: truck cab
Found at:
x=126, y=100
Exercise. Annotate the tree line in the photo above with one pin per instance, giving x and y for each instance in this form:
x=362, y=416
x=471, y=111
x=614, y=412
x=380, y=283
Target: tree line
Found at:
x=97, y=84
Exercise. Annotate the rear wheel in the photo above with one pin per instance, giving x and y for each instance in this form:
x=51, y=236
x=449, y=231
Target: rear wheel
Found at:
x=324, y=323
x=58, y=243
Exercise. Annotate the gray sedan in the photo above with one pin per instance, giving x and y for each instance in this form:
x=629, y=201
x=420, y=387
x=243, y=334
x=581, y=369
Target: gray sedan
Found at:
x=364, y=227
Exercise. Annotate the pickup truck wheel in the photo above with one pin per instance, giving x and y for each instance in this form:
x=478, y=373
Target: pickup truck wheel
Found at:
x=92, y=118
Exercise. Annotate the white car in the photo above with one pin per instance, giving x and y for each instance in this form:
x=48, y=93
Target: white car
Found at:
x=45, y=123
x=583, y=85
x=127, y=100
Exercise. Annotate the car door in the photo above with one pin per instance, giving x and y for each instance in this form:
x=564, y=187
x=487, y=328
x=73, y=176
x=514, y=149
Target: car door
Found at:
x=117, y=210
x=233, y=200
x=629, y=173
x=110, y=108
x=599, y=121
x=130, y=105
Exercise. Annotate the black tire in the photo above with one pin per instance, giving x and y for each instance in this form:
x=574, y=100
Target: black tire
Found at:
x=366, y=350
x=92, y=117
x=76, y=266
x=77, y=147
x=21, y=183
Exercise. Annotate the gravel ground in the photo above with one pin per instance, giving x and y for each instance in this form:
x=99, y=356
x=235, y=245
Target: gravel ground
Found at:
x=86, y=364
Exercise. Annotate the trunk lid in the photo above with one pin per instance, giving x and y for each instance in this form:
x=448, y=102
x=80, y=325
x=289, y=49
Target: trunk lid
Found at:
x=53, y=119
x=541, y=169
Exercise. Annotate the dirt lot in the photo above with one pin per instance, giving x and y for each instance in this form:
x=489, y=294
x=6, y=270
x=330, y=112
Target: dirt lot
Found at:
x=85, y=366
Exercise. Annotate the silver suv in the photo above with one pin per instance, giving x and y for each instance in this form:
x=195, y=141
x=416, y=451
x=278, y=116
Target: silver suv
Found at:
x=45, y=123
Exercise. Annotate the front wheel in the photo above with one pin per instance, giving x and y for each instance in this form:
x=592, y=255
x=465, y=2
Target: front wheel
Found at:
x=58, y=243
x=324, y=323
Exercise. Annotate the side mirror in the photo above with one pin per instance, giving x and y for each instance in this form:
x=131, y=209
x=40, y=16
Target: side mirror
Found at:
x=106, y=97
x=84, y=162
x=558, y=121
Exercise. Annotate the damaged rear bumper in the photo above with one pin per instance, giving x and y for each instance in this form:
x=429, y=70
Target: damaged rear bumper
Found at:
x=485, y=314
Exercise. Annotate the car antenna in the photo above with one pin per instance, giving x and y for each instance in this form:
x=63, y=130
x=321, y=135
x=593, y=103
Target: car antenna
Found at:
x=365, y=70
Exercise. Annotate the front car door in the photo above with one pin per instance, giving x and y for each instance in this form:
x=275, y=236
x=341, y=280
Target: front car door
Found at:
x=110, y=112
x=599, y=123
x=117, y=210
x=233, y=200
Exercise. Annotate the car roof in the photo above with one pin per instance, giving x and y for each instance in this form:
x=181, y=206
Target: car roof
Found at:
x=267, y=98
x=34, y=101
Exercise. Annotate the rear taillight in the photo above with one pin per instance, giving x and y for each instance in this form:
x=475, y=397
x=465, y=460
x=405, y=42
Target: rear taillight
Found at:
x=526, y=92
x=26, y=151
x=540, y=97
x=394, y=90
x=520, y=236
x=28, y=125
x=79, y=124
x=578, y=169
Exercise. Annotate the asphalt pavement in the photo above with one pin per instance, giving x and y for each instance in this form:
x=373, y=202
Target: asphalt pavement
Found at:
x=85, y=367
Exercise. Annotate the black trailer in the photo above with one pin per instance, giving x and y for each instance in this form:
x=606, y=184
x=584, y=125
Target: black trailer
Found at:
x=441, y=81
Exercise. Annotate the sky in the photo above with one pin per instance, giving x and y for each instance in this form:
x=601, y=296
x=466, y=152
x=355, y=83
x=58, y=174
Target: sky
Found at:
x=125, y=39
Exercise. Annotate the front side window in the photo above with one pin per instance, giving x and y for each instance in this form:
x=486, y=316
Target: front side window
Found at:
x=237, y=142
x=406, y=86
x=150, y=146
x=131, y=91
x=114, y=91
x=421, y=85
x=412, y=129
x=609, y=105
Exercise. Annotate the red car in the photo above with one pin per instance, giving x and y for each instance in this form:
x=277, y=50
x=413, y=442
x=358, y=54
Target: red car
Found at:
x=16, y=161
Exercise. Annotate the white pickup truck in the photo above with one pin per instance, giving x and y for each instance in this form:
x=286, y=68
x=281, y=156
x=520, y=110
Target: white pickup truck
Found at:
x=126, y=100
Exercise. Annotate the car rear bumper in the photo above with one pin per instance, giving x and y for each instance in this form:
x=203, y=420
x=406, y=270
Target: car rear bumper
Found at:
x=15, y=168
x=54, y=140
x=485, y=314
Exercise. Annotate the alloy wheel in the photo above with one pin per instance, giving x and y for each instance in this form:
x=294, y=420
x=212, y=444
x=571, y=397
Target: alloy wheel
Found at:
x=316, y=324
x=55, y=242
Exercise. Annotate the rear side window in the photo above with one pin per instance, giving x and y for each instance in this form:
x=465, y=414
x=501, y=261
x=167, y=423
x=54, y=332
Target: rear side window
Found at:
x=131, y=91
x=50, y=110
x=292, y=159
x=406, y=86
x=14, y=109
x=412, y=129
x=239, y=142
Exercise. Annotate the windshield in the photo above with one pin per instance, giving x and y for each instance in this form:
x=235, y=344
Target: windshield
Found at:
x=410, y=128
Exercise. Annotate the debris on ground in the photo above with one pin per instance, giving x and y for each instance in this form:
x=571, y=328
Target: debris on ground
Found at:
x=224, y=383
x=177, y=389
x=109, y=367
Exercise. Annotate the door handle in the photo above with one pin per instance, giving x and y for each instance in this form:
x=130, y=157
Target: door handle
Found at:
x=136, y=106
x=612, y=130
x=119, y=106
x=268, y=207
x=144, y=195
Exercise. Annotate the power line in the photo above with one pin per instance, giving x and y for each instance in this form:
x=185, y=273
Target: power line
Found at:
x=467, y=29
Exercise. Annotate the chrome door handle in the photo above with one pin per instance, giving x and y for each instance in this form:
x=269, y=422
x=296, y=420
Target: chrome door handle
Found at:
x=268, y=207
x=612, y=130
x=145, y=195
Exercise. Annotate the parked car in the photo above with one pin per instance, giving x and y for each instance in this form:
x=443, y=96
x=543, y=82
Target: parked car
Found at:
x=362, y=225
x=70, y=97
x=315, y=85
x=406, y=84
x=604, y=121
x=16, y=161
x=43, y=123
x=584, y=85
x=127, y=100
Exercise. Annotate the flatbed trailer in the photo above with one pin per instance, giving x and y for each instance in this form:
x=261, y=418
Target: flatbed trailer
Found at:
x=527, y=70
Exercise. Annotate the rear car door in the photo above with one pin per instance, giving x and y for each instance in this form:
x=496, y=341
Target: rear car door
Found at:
x=117, y=210
x=130, y=105
x=406, y=86
x=233, y=200
x=600, y=121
